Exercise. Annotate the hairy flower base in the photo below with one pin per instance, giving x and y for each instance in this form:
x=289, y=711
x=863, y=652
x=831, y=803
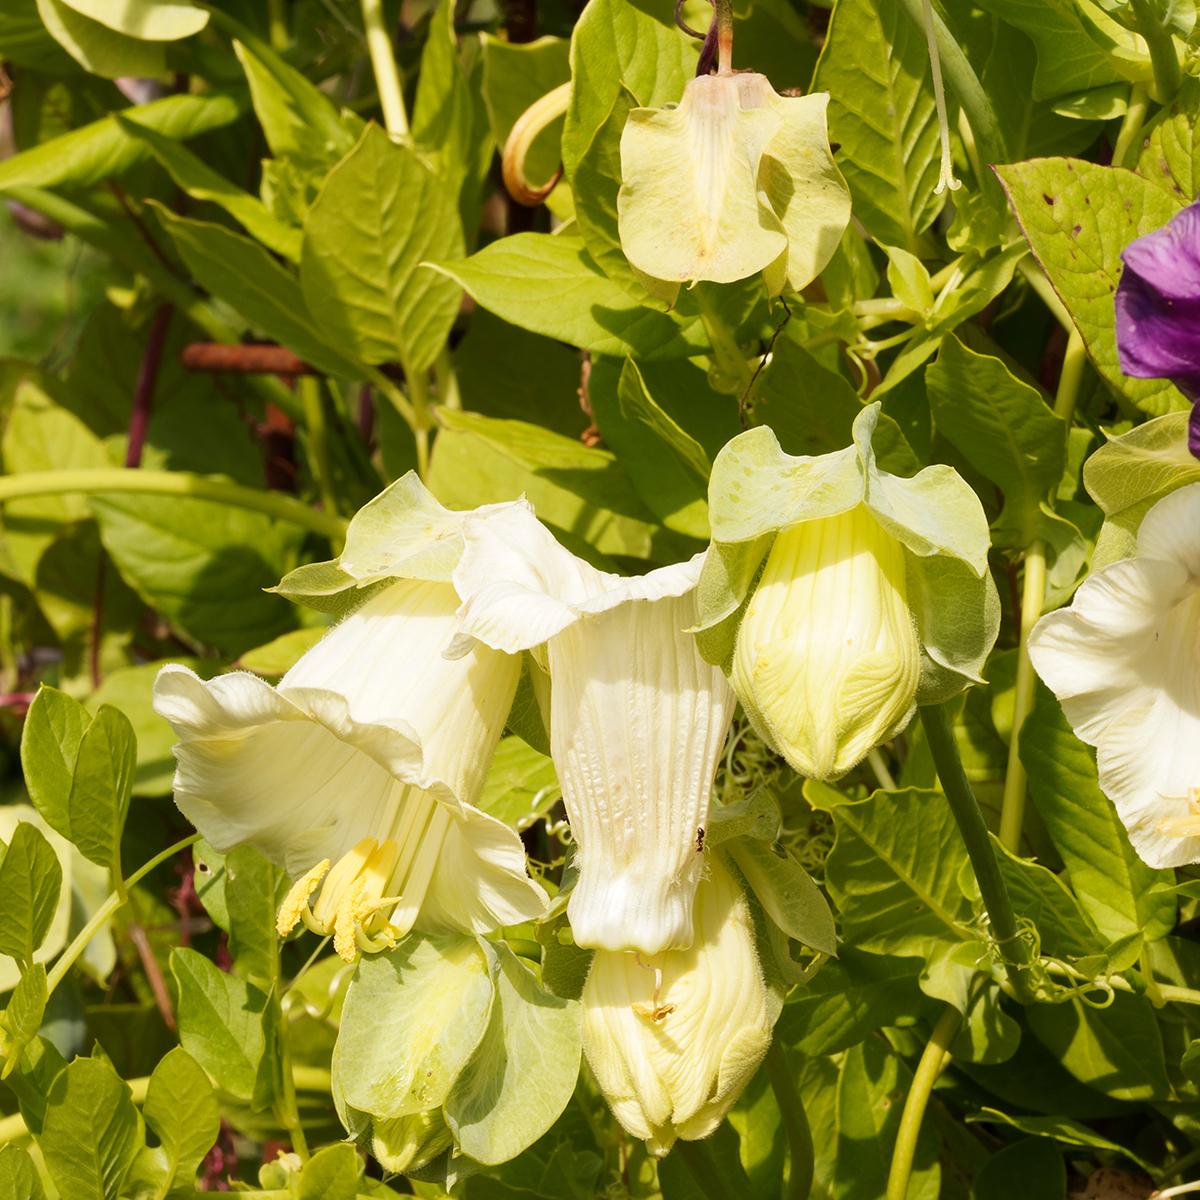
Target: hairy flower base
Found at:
x=673, y=1038
x=827, y=659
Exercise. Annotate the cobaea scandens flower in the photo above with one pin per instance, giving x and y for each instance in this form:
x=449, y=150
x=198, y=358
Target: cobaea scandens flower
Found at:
x=875, y=594
x=734, y=180
x=358, y=772
x=672, y=1039
x=1124, y=661
x=637, y=718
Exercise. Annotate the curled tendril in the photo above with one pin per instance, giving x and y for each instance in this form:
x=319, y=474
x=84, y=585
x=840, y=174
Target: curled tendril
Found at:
x=540, y=114
x=294, y=998
x=684, y=25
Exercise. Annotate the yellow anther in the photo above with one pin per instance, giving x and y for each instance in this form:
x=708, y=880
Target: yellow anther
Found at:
x=346, y=922
x=347, y=869
x=1187, y=825
x=295, y=903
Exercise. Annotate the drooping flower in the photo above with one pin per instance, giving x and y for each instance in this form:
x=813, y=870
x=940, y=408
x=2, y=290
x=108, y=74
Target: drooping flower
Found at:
x=1124, y=661
x=875, y=595
x=674, y=1038
x=358, y=772
x=637, y=718
x=734, y=180
x=1158, y=309
x=827, y=657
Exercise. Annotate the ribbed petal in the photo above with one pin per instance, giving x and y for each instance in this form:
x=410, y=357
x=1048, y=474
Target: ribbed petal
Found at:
x=637, y=717
x=672, y=1040
x=637, y=722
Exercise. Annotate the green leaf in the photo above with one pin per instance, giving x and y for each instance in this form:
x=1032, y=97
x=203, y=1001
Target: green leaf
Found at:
x=1061, y=1129
x=1114, y=886
x=1078, y=217
x=1005, y=430
x=1069, y=57
x=812, y=410
x=18, y=1176
x=548, y=283
x=668, y=467
x=107, y=147
x=514, y=76
x=1032, y=1168
x=182, y=1109
x=532, y=1035
x=583, y=494
x=437, y=992
x=202, y=565
x=1131, y=473
x=30, y=884
x=228, y=1026
x=92, y=1133
x=1118, y=1050
x=333, y=1173
x=893, y=873
x=25, y=1012
x=875, y=66
x=299, y=121
x=148, y=20
x=787, y=893
x=521, y=784
x=848, y=999
x=870, y=1099
x=381, y=213
x=201, y=182
x=280, y=654
x=101, y=786
x=240, y=272
x=254, y=889
x=617, y=46
x=1170, y=156
x=50, y=741
x=98, y=48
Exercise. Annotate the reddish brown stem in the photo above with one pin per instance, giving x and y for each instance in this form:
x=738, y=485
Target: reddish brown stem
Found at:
x=143, y=396
x=245, y=360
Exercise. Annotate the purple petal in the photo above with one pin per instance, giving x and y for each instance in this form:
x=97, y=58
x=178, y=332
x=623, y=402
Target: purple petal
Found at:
x=1157, y=337
x=1169, y=258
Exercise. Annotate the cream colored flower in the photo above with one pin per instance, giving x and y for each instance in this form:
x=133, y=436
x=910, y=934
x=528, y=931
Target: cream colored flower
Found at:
x=637, y=718
x=1124, y=661
x=357, y=773
x=673, y=1038
x=827, y=657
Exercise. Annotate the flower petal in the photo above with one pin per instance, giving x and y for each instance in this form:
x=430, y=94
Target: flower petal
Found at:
x=1171, y=530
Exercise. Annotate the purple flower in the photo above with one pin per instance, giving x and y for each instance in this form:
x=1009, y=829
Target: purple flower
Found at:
x=1158, y=310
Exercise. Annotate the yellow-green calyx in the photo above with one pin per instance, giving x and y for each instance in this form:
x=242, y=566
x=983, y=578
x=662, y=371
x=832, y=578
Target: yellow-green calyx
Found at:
x=827, y=658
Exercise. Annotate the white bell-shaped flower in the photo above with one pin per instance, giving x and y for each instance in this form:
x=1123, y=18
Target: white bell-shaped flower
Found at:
x=672, y=1039
x=637, y=718
x=1124, y=661
x=827, y=658
x=357, y=773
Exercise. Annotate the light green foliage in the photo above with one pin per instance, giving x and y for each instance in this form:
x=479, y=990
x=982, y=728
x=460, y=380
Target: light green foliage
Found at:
x=91, y=1133
x=787, y=893
x=874, y=67
x=1005, y=431
x=381, y=213
x=531, y=1035
x=97, y=46
x=182, y=1109
x=30, y=882
x=438, y=994
x=1078, y=217
x=18, y=1176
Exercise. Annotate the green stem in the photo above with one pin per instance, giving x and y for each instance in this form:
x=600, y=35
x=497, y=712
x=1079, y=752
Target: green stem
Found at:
x=726, y=353
x=449, y=393
x=1125, y=149
x=1164, y=58
x=1036, y=278
x=277, y=24
x=318, y=440
x=1033, y=599
x=967, y=89
x=118, y=897
x=723, y=10
x=888, y=307
x=383, y=64
x=171, y=483
x=977, y=840
x=933, y=1061
x=287, y=1108
x=418, y=390
x=795, y=1123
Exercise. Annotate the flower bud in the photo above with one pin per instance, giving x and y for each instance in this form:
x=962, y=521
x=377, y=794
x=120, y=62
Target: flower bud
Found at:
x=827, y=658
x=673, y=1038
x=411, y=1142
